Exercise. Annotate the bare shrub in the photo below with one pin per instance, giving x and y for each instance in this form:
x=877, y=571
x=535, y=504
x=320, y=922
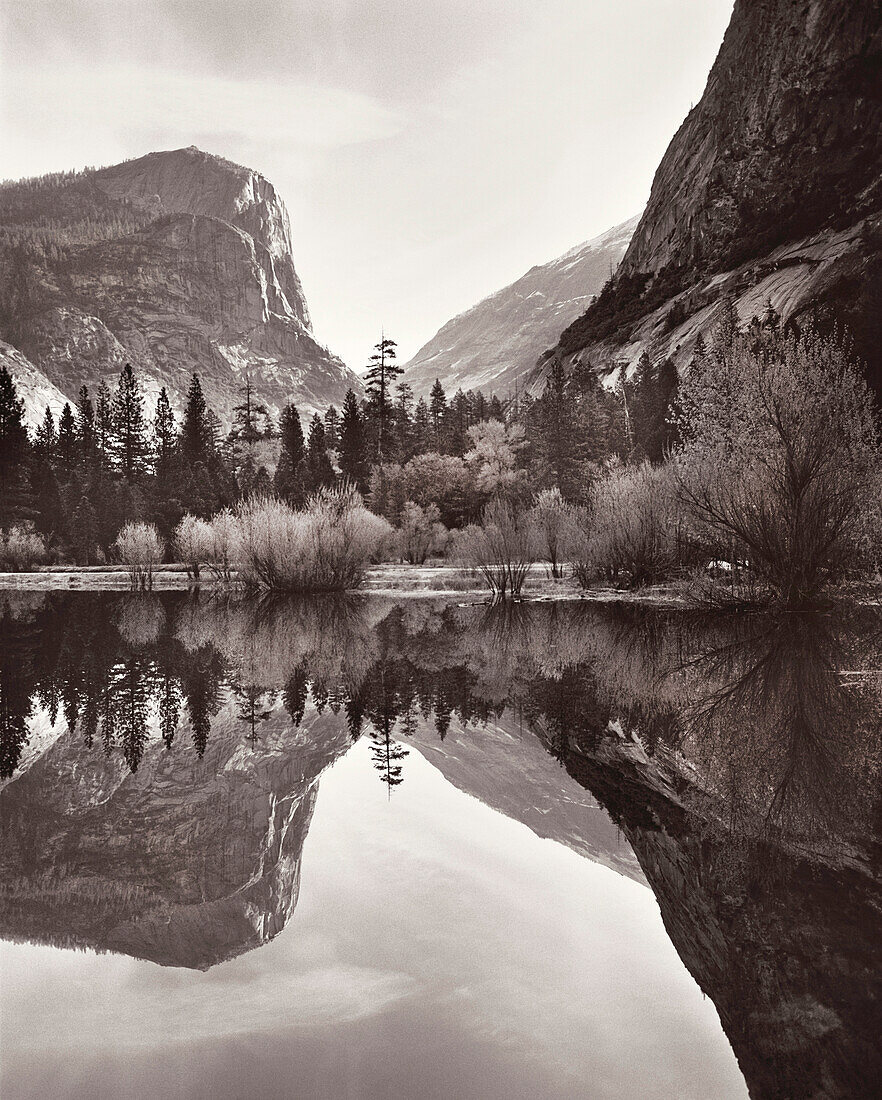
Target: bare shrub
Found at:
x=225, y=544
x=502, y=549
x=634, y=532
x=779, y=467
x=420, y=533
x=192, y=541
x=140, y=548
x=21, y=549
x=324, y=548
x=555, y=525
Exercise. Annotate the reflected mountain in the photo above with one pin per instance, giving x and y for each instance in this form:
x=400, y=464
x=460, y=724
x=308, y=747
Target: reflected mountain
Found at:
x=161, y=757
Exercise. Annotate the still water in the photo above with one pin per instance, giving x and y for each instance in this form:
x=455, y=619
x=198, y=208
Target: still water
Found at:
x=368, y=849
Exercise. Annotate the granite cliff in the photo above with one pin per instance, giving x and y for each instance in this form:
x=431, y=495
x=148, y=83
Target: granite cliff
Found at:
x=771, y=190
x=187, y=861
x=176, y=262
x=494, y=345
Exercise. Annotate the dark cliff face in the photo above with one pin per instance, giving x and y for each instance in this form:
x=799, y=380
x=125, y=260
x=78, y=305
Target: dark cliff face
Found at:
x=771, y=189
x=785, y=944
x=177, y=262
x=786, y=140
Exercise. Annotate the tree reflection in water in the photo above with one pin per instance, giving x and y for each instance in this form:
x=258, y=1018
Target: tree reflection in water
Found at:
x=739, y=755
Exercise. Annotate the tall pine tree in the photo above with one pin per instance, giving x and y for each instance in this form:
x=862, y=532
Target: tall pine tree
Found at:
x=289, y=479
x=352, y=451
x=128, y=442
x=379, y=379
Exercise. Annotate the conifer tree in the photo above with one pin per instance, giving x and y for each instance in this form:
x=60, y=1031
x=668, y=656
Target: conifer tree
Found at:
x=289, y=475
x=46, y=437
x=332, y=428
x=85, y=428
x=352, y=452
x=197, y=431
x=84, y=532
x=379, y=378
x=128, y=442
x=437, y=413
x=66, y=451
x=249, y=417
x=14, y=448
x=103, y=423
x=164, y=435
x=319, y=471
x=404, y=421
x=422, y=428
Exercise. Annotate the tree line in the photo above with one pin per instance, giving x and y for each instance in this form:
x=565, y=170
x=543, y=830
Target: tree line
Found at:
x=79, y=477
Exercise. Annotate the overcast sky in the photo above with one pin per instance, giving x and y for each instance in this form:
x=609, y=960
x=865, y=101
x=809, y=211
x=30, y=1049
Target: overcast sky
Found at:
x=429, y=151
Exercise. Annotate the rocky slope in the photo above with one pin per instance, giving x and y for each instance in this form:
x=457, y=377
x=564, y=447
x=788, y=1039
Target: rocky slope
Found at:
x=176, y=262
x=494, y=345
x=770, y=190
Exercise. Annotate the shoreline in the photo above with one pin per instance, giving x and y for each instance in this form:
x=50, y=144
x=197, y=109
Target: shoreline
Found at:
x=388, y=580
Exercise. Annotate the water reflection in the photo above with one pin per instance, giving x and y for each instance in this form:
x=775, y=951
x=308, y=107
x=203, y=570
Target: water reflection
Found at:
x=162, y=755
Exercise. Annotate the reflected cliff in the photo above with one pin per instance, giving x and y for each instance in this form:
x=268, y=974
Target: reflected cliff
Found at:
x=161, y=757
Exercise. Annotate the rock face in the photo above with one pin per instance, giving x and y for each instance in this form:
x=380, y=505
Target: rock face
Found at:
x=177, y=262
x=504, y=766
x=185, y=862
x=784, y=942
x=494, y=345
x=770, y=190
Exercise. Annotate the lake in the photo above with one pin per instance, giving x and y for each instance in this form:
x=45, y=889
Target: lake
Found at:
x=367, y=848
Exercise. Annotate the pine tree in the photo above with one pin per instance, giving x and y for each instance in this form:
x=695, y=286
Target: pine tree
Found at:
x=103, y=423
x=666, y=434
x=332, y=428
x=85, y=428
x=250, y=417
x=164, y=435
x=437, y=413
x=128, y=443
x=319, y=471
x=379, y=377
x=197, y=431
x=422, y=428
x=404, y=421
x=84, y=532
x=641, y=398
x=66, y=452
x=14, y=448
x=555, y=436
x=46, y=438
x=352, y=452
x=289, y=475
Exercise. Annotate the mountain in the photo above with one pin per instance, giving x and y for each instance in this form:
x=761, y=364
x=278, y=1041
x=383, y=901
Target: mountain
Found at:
x=177, y=262
x=187, y=861
x=494, y=345
x=771, y=190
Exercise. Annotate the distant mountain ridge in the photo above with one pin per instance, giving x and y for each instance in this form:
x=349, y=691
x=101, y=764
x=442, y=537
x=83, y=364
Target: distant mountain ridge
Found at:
x=177, y=262
x=771, y=190
x=494, y=345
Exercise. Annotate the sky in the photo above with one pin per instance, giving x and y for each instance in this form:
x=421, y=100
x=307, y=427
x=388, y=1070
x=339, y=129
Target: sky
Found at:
x=429, y=151
x=438, y=949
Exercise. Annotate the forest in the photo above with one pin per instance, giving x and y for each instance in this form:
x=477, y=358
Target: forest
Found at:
x=752, y=478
